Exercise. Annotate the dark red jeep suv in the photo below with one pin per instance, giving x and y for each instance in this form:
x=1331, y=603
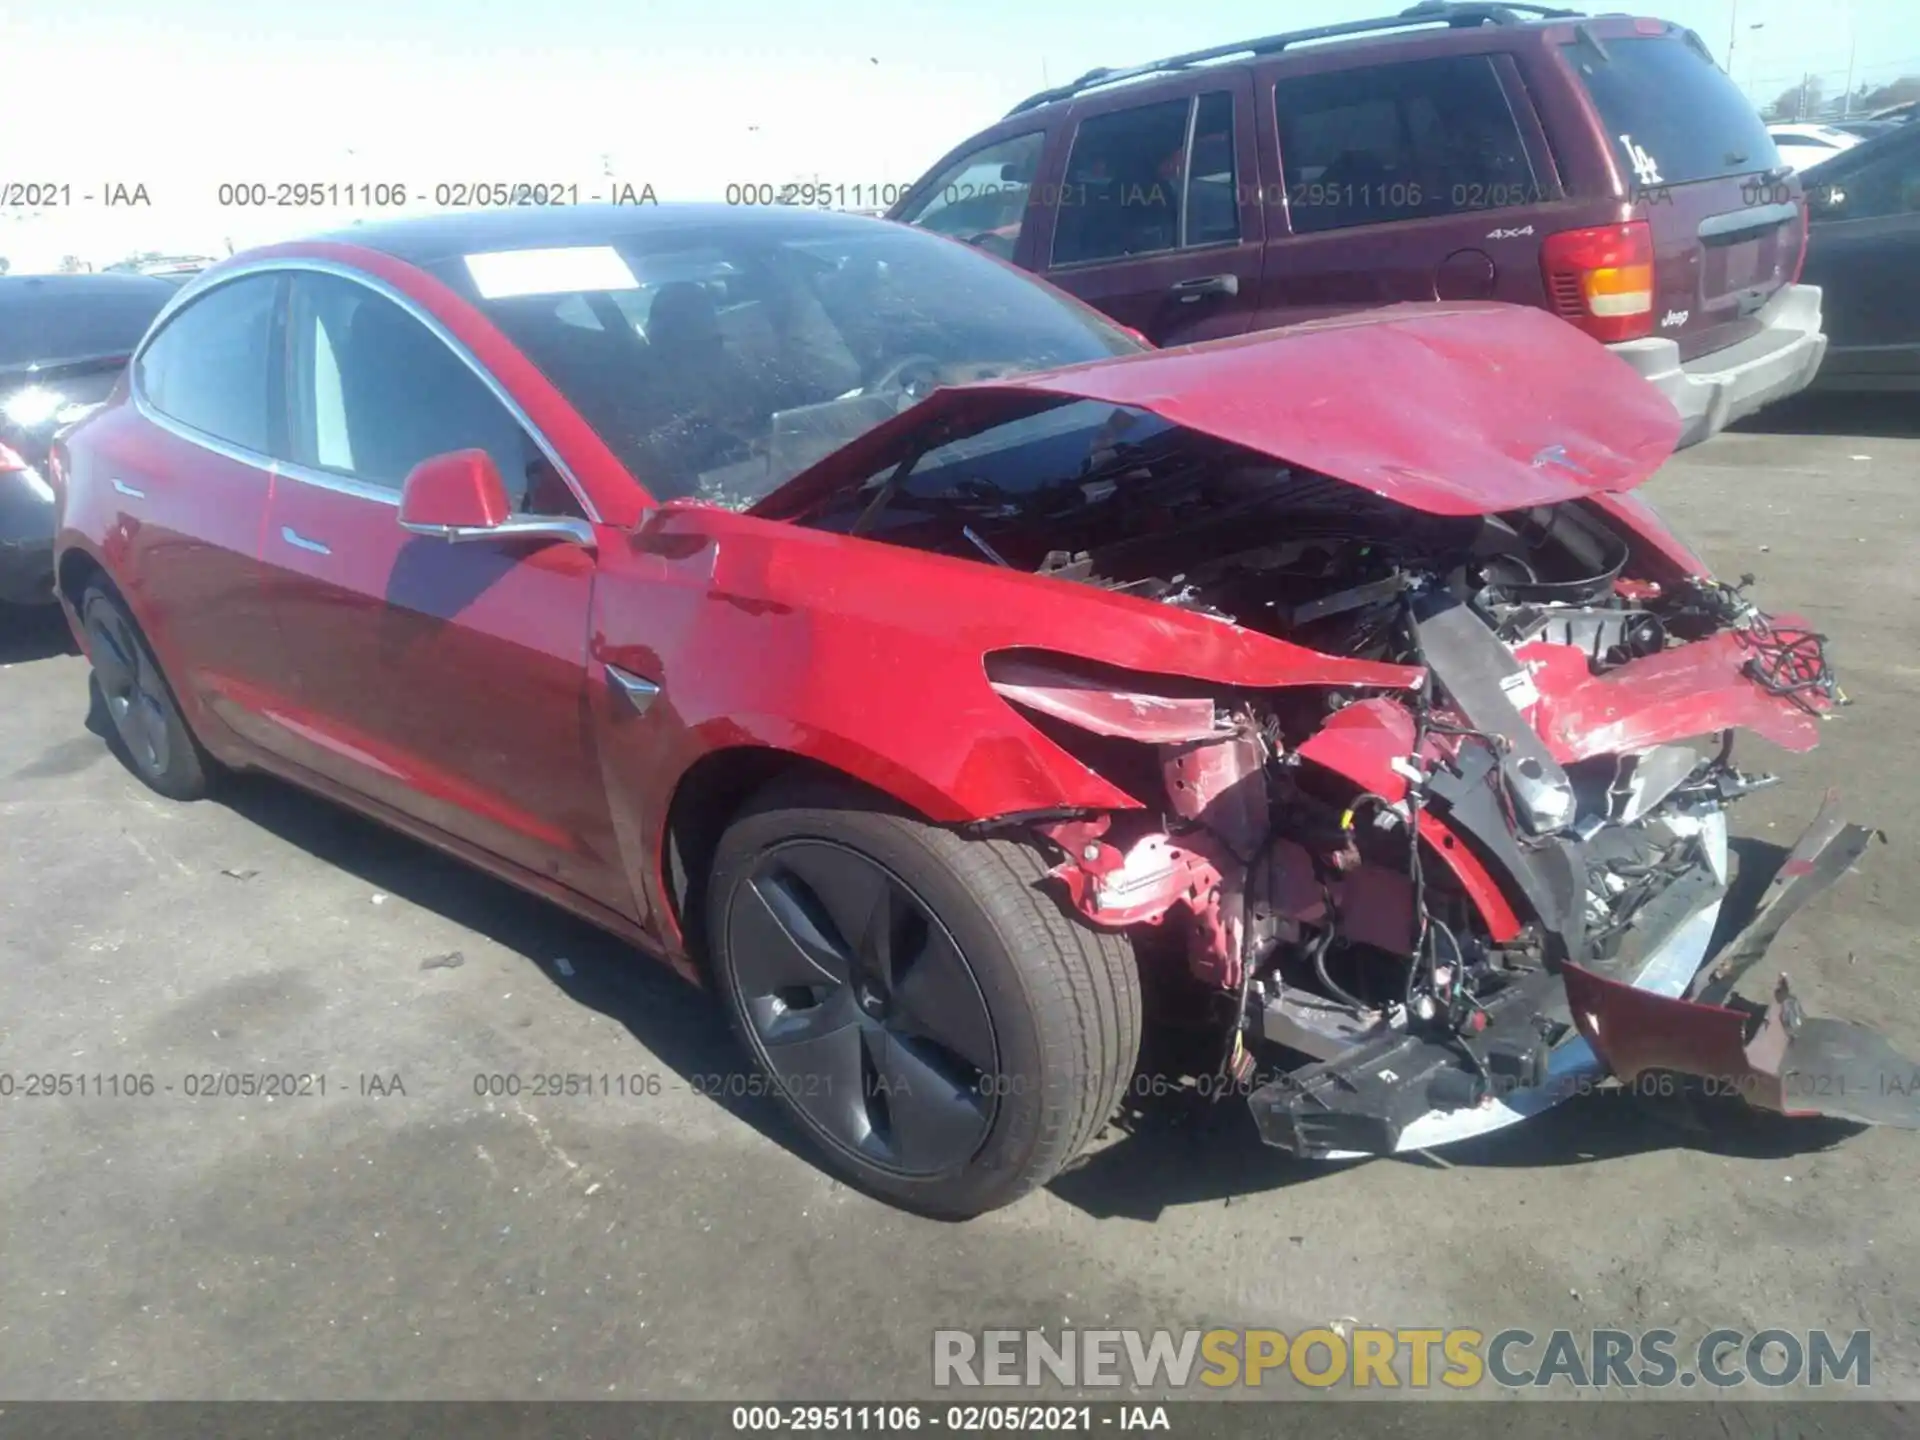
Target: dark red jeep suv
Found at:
x=1602, y=168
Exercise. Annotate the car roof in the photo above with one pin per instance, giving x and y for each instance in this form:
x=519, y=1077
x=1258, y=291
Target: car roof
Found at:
x=60, y=319
x=78, y=287
x=1848, y=159
x=1428, y=25
x=427, y=240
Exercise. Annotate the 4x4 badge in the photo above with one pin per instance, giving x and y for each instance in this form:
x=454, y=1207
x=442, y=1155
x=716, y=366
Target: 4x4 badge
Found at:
x=1513, y=234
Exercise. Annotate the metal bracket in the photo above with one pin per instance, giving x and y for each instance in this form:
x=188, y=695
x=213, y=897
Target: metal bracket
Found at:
x=640, y=693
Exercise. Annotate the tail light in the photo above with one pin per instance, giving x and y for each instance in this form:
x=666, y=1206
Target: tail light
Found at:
x=1601, y=279
x=10, y=460
x=1806, y=232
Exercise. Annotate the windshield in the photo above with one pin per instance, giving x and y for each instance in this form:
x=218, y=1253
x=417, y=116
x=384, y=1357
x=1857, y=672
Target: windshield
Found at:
x=1672, y=115
x=719, y=361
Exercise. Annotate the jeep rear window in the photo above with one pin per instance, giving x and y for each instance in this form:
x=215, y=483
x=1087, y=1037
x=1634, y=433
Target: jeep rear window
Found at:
x=1672, y=114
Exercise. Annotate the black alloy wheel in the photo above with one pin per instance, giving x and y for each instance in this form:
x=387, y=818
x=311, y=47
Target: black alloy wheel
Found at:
x=863, y=1008
x=919, y=1000
x=153, y=738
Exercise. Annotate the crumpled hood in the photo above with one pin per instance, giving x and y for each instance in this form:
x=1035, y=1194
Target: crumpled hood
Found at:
x=1454, y=409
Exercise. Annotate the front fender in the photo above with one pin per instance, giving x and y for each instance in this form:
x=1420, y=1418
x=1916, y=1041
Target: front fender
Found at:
x=871, y=658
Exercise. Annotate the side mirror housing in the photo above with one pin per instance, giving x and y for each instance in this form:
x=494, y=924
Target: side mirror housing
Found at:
x=460, y=490
x=459, y=496
x=1826, y=202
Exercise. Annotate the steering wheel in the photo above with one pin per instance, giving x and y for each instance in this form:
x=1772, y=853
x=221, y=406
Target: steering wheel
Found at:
x=993, y=243
x=894, y=377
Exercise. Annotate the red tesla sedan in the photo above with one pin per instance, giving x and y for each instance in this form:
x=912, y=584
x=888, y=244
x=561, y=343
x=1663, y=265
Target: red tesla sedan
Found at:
x=883, y=637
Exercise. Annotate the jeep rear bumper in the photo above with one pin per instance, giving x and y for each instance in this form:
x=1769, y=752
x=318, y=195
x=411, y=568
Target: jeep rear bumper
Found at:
x=1713, y=390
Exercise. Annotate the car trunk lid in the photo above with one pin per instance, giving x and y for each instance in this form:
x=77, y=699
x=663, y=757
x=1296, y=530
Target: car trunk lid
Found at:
x=1722, y=248
x=1462, y=409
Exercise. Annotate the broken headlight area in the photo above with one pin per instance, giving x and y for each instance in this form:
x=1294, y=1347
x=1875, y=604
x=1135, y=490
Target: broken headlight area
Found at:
x=1397, y=892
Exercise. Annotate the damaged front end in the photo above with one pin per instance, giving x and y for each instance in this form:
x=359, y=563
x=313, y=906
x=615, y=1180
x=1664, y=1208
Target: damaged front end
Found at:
x=1566, y=766
x=1483, y=869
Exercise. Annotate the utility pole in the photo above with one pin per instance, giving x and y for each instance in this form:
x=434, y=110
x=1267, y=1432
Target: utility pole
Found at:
x=1733, y=32
x=1846, y=96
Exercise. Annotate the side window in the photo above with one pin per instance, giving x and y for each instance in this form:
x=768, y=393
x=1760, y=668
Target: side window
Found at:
x=371, y=392
x=1399, y=142
x=1124, y=183
x=1213, y=197
x=982, y=197
x=212, y=366
x=1889, y=185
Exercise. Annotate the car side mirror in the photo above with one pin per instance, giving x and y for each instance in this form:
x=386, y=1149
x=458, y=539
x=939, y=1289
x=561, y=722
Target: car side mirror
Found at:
x=460, y=497
x=1826, y=202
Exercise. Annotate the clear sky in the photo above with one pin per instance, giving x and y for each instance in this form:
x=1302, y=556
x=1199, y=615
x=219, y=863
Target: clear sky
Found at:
x=182, y=95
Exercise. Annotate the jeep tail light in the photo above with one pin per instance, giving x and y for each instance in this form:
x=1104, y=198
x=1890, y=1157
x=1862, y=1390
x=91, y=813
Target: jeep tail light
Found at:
x=1601, y=279
x=1806, y=231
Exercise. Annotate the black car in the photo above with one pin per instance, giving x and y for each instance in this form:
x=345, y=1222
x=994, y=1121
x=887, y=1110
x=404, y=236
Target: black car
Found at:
x=1866, y=129
x=1863, y=250
x=64, y=340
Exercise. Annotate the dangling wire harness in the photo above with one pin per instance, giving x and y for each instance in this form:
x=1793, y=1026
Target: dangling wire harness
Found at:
x=1789, y=661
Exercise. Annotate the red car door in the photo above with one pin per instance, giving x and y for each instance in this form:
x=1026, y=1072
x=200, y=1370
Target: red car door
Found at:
x=444, y=681
x=185, y=469
x=1155, y=217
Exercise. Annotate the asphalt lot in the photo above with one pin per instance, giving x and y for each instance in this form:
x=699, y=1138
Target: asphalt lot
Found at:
x=430, y=1242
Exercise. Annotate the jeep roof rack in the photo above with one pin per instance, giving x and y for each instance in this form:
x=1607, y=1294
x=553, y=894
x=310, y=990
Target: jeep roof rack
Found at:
x=1451, y=13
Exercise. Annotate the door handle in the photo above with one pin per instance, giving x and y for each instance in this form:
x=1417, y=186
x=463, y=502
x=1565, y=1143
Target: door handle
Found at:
x=129, y=491
x=1188, y=291
x=294, y=538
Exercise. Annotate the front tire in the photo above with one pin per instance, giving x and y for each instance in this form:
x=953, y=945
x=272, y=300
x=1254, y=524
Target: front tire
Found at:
x=938, y=1024
x=151, y=736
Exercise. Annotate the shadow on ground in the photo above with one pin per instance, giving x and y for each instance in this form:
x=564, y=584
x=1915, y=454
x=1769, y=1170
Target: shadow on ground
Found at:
x=1892, y=417
x=33, y=632
x=678, y=1024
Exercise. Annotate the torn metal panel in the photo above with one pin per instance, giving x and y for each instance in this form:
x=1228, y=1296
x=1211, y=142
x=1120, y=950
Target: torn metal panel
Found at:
x=1826, y=850
x=1776, y=1058
x=1689, y=690
x=1221, y=784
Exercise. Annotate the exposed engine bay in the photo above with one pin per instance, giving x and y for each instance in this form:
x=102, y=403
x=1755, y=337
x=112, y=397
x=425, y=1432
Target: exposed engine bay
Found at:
x=1564, y=758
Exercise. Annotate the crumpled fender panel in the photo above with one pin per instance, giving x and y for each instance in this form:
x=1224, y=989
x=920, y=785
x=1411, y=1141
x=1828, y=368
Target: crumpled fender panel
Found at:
x=871, y=659
x=1692, y=689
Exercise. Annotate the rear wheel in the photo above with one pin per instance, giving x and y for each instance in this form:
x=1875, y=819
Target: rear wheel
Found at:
x=153, y=738
x=937, y=1023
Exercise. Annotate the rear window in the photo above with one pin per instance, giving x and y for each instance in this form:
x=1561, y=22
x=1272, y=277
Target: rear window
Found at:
x=1672, y=114
x=44, y=319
